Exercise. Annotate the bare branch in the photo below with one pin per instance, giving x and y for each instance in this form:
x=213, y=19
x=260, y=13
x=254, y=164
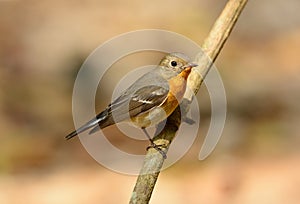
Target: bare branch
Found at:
x=212, y=46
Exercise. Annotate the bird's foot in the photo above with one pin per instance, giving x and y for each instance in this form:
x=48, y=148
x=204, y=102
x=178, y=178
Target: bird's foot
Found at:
x=158, y=148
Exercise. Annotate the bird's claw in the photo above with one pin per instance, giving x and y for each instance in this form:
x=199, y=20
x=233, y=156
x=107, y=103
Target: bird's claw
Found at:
x=158, y=148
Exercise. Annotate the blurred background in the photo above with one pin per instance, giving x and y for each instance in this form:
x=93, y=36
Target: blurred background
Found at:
x=44, y=43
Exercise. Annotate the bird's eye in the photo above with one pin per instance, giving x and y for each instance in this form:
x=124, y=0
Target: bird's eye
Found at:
x=174, y=63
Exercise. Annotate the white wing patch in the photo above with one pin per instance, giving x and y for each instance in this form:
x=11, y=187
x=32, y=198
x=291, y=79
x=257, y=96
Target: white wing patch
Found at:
x=142, y=101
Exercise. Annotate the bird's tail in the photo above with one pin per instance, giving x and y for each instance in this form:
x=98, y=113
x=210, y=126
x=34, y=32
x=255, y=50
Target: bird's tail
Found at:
x=95, y=122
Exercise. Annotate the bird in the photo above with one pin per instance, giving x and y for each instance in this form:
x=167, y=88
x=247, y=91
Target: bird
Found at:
x=149, y=100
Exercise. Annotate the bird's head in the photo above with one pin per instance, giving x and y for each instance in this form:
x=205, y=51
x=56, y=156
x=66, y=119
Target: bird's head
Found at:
x=174, y=63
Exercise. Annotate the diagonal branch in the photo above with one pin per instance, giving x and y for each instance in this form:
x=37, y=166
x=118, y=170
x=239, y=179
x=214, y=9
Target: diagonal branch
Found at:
x=212, y=46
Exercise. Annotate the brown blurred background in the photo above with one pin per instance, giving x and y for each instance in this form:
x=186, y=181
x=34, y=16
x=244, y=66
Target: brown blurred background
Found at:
x=44, y=43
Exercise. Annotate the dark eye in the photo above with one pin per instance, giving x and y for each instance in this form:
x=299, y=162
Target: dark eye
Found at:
x=174, y=63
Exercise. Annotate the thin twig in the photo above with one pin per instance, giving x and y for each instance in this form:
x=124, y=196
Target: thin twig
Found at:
x=212, y=46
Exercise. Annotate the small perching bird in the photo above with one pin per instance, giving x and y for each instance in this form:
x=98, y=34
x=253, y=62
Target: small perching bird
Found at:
x=149, y=100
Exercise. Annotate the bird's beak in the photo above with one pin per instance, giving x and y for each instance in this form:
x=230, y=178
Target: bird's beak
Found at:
x=190, y=65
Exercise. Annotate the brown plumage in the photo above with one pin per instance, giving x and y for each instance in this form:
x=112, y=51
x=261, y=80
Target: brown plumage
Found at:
x=149, y=100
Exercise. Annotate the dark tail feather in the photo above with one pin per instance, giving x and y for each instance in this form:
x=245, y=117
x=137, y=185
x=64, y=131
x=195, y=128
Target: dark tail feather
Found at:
x=88, y=125
x=105, y=122
x=92, y=123
x=95, y=129
x=72, y=134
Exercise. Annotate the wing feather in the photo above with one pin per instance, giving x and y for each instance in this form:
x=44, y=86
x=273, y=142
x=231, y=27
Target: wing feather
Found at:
x=147, y=98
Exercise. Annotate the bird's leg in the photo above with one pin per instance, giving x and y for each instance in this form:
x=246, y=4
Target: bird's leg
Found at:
x=153, y=145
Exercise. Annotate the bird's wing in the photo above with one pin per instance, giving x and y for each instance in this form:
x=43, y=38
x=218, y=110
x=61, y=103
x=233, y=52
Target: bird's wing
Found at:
x=124, y=107
x=147, y=98
x=147, y=92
